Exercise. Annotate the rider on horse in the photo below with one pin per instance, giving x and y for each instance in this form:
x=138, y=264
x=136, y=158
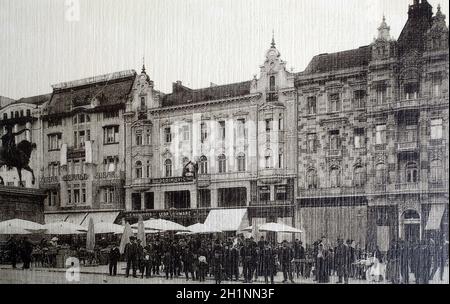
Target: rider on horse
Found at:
x=9, y=142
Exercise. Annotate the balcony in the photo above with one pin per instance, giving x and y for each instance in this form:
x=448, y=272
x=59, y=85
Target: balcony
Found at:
x=405, y=104
x=334, y=153
x=327, y=192
x=407, y=187
x=203, y=180
x=441, y=185
x=407, y=146
x=272, y=95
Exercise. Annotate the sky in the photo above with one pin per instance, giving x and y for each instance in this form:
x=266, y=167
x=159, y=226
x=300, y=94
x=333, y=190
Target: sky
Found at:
x=44, y=42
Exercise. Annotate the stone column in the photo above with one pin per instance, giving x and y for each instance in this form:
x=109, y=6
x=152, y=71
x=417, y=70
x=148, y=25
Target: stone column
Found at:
x=142, y=200
x=214, y=198
x=158, y=197
x=193, y=193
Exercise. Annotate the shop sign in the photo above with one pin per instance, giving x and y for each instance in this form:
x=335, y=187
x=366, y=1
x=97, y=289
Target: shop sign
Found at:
x=75, y=177
x=171, y=180
x=49, y=180
x=107, y=175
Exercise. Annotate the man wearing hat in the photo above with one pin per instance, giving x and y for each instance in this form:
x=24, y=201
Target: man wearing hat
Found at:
x=342, y=260
x=131, y=252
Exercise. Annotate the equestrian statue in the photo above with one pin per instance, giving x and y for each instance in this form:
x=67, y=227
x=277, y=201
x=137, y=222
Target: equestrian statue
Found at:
x=17, y=156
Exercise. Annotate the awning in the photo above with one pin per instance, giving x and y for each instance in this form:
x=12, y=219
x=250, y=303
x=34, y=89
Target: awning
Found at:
x=55, y=217
x=227, y=219
x=435, y=217
x=101, y=217
x=81, y=218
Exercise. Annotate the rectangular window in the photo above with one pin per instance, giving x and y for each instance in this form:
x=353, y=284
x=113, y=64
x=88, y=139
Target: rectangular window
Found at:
x=380, y=138
x=359, y=99
x=241, y=129
x=312, y=105
x=281, y=193
x=111, y=114
x=203, y=132
x=359, y=138
x=335, y=103
x=280, y=161
x=111, y=135
x=186, y=133
x=436, y=86
x=381, y=93
x=436, y=129
x=167, y=135
x=81, y=138
x=264, y=193
x=138, y=138
x=222, y=130
x=335, y=142
x=268, y=125
x=54, y=141
x=411, y=90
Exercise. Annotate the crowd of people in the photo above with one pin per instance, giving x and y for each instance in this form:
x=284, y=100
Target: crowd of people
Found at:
x=198, y=257
x=229, y=260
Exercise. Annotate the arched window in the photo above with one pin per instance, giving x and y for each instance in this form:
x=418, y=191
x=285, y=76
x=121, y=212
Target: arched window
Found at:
x=412, y=173
x=272, y=83
x=380, y=174
x=335, y=177
x=268, y=159
x=241, y=162
x=168, y=168
x=138, y=168
x=436, y=171
x=311, y=179
x=222, y=160
x=203, y=165
x=359, y=176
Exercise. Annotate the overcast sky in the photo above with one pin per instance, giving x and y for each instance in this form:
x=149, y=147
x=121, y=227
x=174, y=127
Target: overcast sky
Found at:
x=43, y=42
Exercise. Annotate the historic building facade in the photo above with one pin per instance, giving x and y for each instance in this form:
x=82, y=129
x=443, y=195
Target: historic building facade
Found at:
x=83, y=140
x=228, y=146
x=373, y=137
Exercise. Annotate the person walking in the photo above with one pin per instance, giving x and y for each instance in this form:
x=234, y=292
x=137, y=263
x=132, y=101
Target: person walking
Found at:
x=131, y=256
x=26, y=251
x=269, y=263
x=322, y=263
x=286, y=259
x=234, y=262
x=341, y=261
x=404, y=254
x=424, y=260
x=247, y=259
x=114, y=256
x=147, y=261
x=188, y=263
x=13, y=249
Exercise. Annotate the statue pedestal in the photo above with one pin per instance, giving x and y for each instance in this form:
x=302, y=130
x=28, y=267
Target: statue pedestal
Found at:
x=22, y=203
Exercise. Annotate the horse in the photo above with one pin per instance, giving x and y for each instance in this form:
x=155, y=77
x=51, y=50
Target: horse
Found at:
x=20, y=159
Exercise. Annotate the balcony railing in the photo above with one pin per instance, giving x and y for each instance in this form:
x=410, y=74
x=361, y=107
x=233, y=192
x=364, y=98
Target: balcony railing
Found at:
x=334, y=153
x=407, y=187
x=438, y=185
x=407, y=146
x=324, y=192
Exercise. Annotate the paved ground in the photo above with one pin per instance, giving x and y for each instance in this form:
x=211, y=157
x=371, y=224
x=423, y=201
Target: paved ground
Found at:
x=98, y=275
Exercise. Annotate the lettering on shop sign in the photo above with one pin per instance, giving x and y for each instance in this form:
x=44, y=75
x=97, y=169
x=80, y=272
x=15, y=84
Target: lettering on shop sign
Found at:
x=106, y=175
x=73, y=177
x=49, y=180
x=172, y=180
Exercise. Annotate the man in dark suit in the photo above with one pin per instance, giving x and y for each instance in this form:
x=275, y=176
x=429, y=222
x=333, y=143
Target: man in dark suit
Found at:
x=247, y=259
x=131, y=255
x=286, y=257
x=114, y=255
x=342, y=261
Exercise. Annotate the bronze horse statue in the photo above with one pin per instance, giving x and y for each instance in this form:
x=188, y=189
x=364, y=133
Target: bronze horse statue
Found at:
x=16, y=156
